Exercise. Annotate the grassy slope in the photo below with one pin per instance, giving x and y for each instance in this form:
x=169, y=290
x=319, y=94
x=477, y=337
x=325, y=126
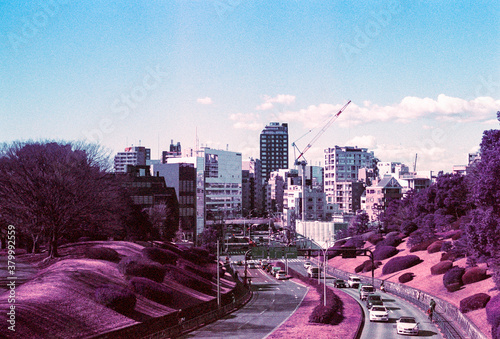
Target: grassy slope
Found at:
x=59, y=301
x=423, y=280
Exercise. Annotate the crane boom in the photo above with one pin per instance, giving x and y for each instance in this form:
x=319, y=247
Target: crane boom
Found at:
x=316, y=137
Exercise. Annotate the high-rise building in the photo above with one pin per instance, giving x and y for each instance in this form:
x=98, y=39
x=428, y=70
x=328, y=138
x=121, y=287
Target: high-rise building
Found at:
x=174, y=152
x=135, y=156
x=273, y=148
x=252, y=196
x=342, y=165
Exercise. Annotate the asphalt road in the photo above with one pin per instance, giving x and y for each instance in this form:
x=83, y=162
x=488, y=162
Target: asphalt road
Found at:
x=397, y=308
x=273, y=302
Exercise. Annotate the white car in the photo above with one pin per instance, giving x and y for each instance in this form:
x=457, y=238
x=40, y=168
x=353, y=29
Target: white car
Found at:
x=407, y=325
x=281, y=275
x=307, y=264
x=353, y=281
x=379, y=313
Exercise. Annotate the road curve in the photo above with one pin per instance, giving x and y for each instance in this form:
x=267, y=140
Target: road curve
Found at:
x=272, y=303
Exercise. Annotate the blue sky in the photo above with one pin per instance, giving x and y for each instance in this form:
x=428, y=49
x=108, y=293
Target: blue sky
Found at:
x=423, y=76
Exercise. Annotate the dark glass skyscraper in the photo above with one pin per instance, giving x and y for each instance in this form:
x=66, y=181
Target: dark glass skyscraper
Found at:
x=273, y=148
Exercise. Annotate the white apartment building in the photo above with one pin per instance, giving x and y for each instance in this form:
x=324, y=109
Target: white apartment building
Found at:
x=135, y=155
x=342, y=165
x=218, y=184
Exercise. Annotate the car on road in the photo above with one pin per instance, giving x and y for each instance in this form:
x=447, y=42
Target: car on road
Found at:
x=307, y=264
x=252, y=265
x=339, y=283
x=379, y=313
x=281, y=275
x=365, y=291
x=353, y=281
x=374, y=300
x=313, y=272
x=263, y=263
x=407, y=325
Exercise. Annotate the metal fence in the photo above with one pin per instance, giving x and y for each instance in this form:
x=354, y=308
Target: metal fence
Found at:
x=444, y=310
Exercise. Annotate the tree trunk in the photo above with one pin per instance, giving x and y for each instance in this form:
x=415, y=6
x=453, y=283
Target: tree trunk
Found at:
x=53, y=246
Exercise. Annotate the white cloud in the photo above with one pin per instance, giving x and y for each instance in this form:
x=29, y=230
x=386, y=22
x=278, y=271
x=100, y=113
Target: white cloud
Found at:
x=205, y=101
x=365, y=141
x=284, y=99
x=444, y=108
x=247, y=121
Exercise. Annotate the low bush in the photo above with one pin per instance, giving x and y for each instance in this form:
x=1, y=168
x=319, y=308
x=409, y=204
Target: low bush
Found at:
x=452, y=279
x=405, y=277
x=116, y=297
x=450, y=255
x=441, y=267
x=141, y=267
x=331, y=313
x=354, y=242
x=359, y=268
x=203, y=272
x=368, y=265
x=408, y=227
x=493, y=311
x=447, y=246
x=422, y=246
x=474, y=274
x=375, y=238
x=152, y=290
x=393, y=241
x=160, y=255
x=474, y=302
x=103, y=253
x=400, y=263
x=435, y=246
x=384, y=252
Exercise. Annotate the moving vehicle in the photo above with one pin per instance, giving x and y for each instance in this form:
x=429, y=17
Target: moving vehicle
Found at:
x=366, y=290
x=313, y=272
x=263, y=263
x=407, y=325
x=339, y=283
x=374, y=300
x=307, y=264
x=281, y=275
x=353, y=281
x=275, y=270
x=252, y=265
x=379, y=313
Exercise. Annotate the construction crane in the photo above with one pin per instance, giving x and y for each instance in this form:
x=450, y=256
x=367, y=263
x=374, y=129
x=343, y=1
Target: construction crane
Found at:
x=303, y=162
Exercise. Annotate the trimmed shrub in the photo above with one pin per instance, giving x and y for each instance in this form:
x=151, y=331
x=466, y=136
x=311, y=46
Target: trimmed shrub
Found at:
x=368, y=265
x=493, y=311
x=141, y=267
x=393, y=241
x=422, y=246
x=400, y=263
x=441, y=267
x=359, y=268
x=405, y=277
x=160, y=255
x=152, y=290
x=331, y=313
x=474, y=274
x=452, y=279
x=451, y=255
x=375, y=238
x=116, y=297
x=103, y=253
x=474, y=302
x=408, y=227
x=384, y=252
x=435, y=247
x=354, y=242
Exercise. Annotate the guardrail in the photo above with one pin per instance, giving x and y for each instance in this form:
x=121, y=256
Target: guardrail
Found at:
x=444, y=310
x=174, y=324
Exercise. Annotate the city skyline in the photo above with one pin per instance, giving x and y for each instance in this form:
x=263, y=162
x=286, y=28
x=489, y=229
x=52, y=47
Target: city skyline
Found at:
x=423, y=77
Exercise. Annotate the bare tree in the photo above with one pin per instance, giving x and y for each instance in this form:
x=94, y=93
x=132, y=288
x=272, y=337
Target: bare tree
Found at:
x=52, y=189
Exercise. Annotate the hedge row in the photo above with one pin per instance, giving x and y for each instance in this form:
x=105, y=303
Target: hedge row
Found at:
x=116, y=297
x=136, y=266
